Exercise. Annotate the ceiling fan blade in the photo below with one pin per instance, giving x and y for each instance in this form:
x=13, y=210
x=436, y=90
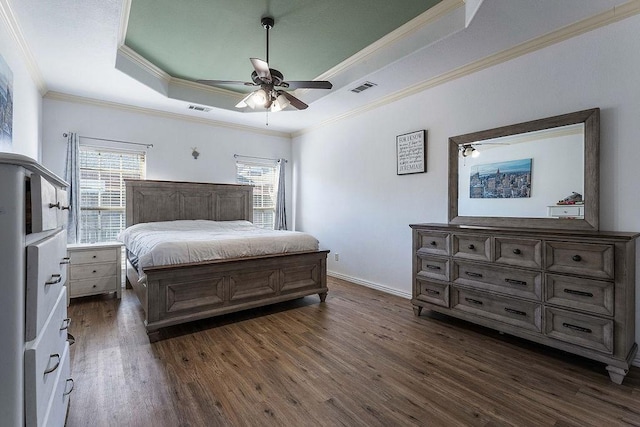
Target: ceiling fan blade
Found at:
x=224, y=82
x=262, y=69
x=295, y=102
x=319, y=84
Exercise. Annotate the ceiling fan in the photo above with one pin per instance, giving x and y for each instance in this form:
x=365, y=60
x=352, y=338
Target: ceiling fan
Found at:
x=271, y=94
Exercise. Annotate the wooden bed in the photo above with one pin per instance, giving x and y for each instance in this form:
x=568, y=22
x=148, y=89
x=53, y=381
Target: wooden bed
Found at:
x=176, y=294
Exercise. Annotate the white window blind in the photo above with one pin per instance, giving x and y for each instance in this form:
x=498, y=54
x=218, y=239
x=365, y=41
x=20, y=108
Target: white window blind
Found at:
x=263, y=177
x=102, y=191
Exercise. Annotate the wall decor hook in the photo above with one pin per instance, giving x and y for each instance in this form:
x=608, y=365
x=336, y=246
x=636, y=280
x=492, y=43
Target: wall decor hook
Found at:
x=195, y=153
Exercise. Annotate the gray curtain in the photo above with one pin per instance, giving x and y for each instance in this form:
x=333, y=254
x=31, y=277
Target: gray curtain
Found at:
x=72, y=176
x=281, y=212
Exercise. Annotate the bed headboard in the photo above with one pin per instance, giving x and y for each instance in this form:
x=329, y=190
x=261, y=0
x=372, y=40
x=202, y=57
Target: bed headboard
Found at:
x=151, y=201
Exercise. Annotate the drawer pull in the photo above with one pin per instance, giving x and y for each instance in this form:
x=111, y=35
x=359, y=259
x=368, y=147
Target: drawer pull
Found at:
x=95, y=256
x=576, y=258
x=53, y=356
x=65, y=324
x=517, y=251
x=95, y=271
x=512, y=311
x=69, y=380
x=432, y=291
x=433, y=267
x=581, y=293
x=65, y=260
x=56, y=205
x=471, y=247
x=577, y=328
x=66, y=208
x=472, y=274
x=473, y=301
x=55, y=278
x=516, y=282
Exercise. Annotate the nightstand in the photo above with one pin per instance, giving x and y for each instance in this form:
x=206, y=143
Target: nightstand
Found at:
x=95, y=269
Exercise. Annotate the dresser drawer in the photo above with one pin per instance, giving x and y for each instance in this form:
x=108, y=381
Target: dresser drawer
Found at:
x=519, y=252
x=91, y=271
x=42, y=360
x=594, y=296
x=469, y=246
x=523, y=314
x=433, y=267
x=511, y=281
x=79, y=288
x=586, y=331
x=56, y=411
x=585, y=259
x=44, y=207
x=92, y=255
x=435, y=293
x=433, y=242
x=46, y=276
x=566, y=211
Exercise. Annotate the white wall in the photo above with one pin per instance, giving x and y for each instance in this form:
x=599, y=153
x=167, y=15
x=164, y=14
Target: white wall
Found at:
x=172, y=139
x=347, y=192
x=27, y=101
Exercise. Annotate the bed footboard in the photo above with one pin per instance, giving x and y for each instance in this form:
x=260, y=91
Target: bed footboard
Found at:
x=179, y=294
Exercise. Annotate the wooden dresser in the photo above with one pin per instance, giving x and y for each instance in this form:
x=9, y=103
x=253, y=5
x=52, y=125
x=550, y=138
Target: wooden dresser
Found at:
x=34, y=364
x=571, y=290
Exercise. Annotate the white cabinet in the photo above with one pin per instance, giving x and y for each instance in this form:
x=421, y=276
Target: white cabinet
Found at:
x=95, y=269
x=566, y=211
x=34, y=363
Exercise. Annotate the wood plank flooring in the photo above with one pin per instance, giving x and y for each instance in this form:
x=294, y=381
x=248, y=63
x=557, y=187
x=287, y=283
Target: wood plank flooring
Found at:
x=359, y=359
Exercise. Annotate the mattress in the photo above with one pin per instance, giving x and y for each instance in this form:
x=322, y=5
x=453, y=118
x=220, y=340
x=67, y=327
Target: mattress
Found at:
x=184, y=241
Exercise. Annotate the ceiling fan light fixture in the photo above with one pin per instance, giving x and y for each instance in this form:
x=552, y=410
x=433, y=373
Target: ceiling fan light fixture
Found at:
x=280, y=103
x=256, y=99
x=243, y=103
x=469, y=150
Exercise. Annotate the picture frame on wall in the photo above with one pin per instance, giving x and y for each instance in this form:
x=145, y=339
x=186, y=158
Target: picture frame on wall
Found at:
x=411, y=152
x=6, y=103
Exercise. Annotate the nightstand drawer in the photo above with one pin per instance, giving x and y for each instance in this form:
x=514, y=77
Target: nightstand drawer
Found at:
x=79, y=288
x=92, y=271
x=93, y=255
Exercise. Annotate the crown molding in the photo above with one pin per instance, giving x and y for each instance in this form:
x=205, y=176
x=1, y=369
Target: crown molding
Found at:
x=7, y=15
x=124, y=21
x=142, y=62
x=603, y=19
x=57, y=96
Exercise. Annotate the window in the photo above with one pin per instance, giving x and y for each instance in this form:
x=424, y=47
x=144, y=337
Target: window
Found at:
x=263, y=177
x=102, y=191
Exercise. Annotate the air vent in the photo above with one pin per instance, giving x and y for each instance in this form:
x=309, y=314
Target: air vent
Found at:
x=363, y=86
x=199, y=108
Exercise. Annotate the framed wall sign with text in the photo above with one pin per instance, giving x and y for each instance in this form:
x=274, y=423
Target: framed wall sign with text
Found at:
x=411, y=152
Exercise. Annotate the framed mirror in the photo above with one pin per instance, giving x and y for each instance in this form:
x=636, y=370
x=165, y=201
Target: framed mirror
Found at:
x=538, y=174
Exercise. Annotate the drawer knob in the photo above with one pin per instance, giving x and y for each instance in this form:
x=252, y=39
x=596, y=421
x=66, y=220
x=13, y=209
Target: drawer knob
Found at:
x=69, y=381
x=95, y=256
x=576, y=258
x=433, y=243
x=517, y=251
x=94, y=271
x=471, y=247
x=55, y=356
x=94, y=286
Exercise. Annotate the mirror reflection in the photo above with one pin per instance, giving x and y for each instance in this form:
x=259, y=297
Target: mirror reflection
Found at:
x=532, y=175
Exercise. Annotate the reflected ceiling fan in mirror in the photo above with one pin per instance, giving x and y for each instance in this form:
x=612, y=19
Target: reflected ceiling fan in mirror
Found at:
x=271, y=94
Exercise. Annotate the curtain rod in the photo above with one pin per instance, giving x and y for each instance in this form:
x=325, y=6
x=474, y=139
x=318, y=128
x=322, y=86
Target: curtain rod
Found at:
x=110, y=140
x=261, y=158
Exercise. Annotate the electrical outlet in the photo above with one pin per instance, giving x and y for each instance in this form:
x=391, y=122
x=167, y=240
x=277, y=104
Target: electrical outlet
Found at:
x=336, y=257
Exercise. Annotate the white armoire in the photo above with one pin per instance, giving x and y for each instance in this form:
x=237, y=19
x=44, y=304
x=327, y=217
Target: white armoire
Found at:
x=34, y=361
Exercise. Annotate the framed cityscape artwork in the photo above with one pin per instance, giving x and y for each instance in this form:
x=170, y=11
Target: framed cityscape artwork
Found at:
x=6, y=103
x=501, y=180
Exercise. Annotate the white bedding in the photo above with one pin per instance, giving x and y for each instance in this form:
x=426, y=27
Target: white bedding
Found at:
x=182, y=242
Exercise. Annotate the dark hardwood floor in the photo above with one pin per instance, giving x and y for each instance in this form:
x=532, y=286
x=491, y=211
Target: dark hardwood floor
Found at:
x=359, y=359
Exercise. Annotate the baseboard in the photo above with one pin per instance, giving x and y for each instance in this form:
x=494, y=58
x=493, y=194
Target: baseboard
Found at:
x=368, y=284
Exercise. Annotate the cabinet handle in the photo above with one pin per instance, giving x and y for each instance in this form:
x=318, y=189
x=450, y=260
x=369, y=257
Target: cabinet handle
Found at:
x=55, y=278
x=577, y=328
x=512, y=311
x=95, y=256
x=472, y=247
x=473, y=301
x=581, y=293
x=433, y=267
x=432, y=292
x=516, y=282
x=576, y=258
x=69, y=380
x=65, y=324
x=433, y=243
x=517, y=251
x=95, y=271
x=66, y=208
x=56, y=205
x=472, y=274
x=65, y=260
x=53, y=356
